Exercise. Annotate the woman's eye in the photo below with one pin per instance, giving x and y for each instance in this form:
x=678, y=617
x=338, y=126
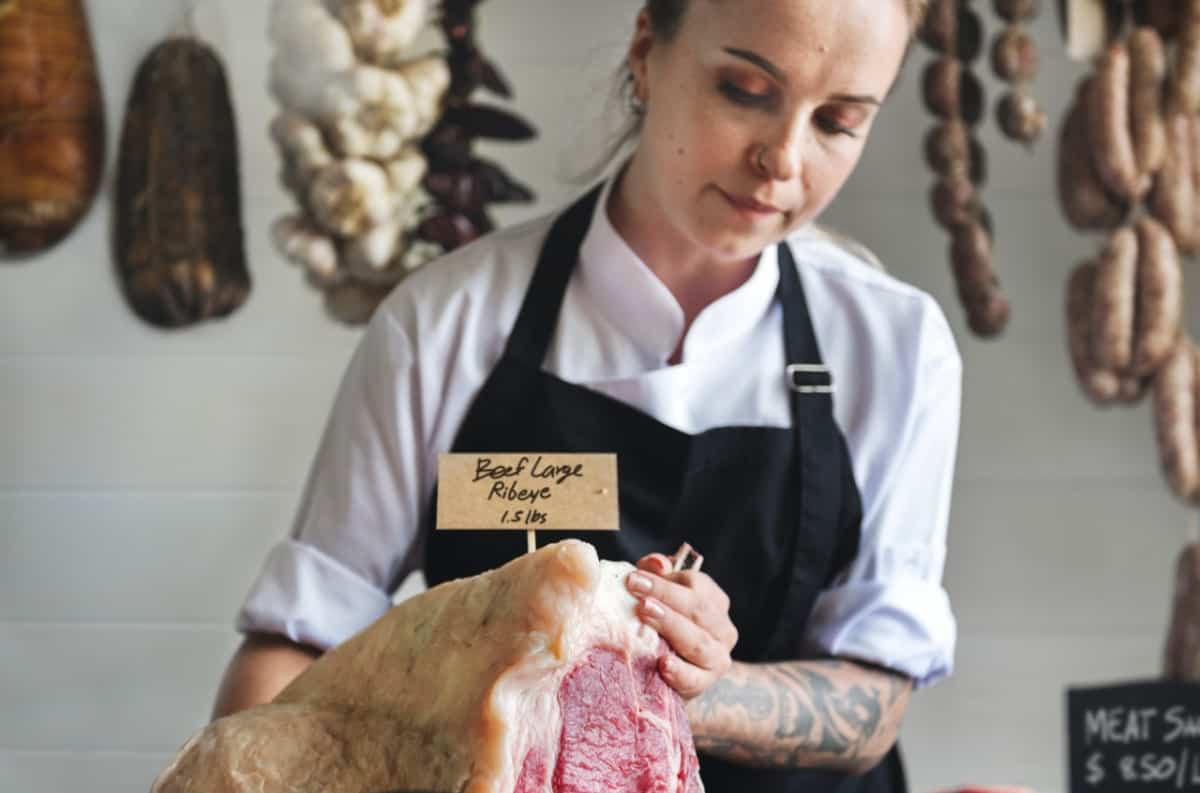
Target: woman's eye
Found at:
x=832, y=127
x=744, y=97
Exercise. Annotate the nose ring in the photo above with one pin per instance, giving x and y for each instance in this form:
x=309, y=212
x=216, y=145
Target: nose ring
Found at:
x=762, y=166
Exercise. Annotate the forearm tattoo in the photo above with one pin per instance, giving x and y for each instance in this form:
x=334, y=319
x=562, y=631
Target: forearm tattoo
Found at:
x=801, y=714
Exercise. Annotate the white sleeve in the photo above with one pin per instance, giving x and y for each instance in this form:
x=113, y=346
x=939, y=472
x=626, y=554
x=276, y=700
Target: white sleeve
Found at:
x=353, y=536
x=889, y=607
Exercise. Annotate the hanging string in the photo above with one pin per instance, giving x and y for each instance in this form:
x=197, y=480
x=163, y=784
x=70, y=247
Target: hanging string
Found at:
x=205, y=21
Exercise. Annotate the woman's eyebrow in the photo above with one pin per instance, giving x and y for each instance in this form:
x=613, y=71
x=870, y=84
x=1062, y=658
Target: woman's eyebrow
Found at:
x=759, y=61
x=777, y=73
x=862, y=100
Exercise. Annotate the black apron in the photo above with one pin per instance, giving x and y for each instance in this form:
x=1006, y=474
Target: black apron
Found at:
x=775, y=511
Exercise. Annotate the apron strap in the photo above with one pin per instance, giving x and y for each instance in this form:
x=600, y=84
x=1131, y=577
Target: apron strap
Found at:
x=534, y=328
x=800, y=341
x=822, y=460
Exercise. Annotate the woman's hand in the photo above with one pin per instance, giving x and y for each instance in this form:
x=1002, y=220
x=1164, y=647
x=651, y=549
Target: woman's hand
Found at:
x=691, y=612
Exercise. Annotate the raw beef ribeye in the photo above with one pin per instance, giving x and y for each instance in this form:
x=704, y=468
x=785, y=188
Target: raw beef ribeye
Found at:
x=536, y=677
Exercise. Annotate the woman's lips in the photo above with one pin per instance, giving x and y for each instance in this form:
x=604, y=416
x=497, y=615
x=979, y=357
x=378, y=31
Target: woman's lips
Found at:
x=749, y=206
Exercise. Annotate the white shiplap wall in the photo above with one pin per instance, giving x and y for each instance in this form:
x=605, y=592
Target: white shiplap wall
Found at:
x=144, y=474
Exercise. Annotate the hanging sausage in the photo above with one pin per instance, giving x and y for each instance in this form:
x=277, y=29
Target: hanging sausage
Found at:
x=954, y=94
x=51, y=123
x=1130, y=141
x=1015, y=60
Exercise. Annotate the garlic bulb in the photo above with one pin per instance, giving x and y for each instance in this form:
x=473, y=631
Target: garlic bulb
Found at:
x=303, y=243
x=304, y=31
x=348, y=197
x=380, y=30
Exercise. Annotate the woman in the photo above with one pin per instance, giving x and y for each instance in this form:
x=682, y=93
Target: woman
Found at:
x=680, y=316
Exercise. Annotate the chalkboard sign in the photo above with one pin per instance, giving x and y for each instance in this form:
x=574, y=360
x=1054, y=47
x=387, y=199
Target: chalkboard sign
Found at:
x=1141, y=737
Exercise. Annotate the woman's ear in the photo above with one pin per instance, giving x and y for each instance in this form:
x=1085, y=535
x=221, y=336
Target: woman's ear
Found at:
x=639, y=51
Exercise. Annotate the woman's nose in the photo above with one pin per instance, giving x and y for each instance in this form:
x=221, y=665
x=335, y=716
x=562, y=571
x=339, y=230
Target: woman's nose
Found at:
x=780, y=158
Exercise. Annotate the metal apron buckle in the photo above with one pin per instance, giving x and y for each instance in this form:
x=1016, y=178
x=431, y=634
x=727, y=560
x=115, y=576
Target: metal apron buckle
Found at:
x=809, y=378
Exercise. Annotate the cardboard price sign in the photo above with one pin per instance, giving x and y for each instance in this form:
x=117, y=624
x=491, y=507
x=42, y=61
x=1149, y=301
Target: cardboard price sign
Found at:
x=1141, y=737
x=527, y=492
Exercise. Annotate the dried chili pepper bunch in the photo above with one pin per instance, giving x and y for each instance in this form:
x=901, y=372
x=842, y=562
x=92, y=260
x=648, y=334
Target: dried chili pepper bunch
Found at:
x=1015, y=60
x=955, y=95
x=462, y=184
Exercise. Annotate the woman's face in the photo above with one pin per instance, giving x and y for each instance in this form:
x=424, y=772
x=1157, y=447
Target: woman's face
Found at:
x=800, y=80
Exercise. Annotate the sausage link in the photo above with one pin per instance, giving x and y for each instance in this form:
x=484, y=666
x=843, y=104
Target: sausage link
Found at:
x=1113, y=302
x=1108, y=125
x=1016, y=10
x=1130, y=388
x=1019, y=117
x=968, y=42
x=942, y=87
x=1014, y=56
x=1186, y=85
x=1162, y=15
x=1085, y=201
x=1181, y=654
x=1196, y=414
x=979, y=292
x=1192, y=147
x=1147, y=71
x=954, y=200
x=1173, y=200
x=1100, y=385
x=989, y=316
x=939, y=31
x=1159, y=296
x=1175, y=420
x=946, y=146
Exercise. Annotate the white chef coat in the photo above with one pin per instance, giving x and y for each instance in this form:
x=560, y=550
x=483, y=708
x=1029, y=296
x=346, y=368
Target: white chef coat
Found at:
x=433, y=342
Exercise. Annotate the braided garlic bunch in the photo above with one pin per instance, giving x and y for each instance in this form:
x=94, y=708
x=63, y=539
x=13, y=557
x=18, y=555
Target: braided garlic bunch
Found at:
x=354, y=109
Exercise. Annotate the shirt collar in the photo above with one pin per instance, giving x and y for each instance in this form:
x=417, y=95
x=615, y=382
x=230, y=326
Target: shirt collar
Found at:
x=633, y=299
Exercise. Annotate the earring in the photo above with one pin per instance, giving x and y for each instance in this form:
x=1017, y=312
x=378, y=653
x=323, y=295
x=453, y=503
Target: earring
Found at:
x=636, y=105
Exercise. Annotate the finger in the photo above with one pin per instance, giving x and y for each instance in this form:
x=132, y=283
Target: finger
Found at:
x=690, y=642
x=679, y=597
x=708, y=592
x=687, y=679
x=655, y=563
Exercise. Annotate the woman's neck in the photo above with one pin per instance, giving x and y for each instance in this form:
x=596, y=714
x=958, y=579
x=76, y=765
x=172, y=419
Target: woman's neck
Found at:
x=691, y=274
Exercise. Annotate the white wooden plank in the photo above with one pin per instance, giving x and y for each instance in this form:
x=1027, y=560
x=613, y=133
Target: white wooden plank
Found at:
x=1024, y=416
x=567, y=33
x=128, y=687
x=193, y=423
x=129, y=557
x=1084, y=557
x=138, y=557
x=65, y=772
x=1001, y=718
